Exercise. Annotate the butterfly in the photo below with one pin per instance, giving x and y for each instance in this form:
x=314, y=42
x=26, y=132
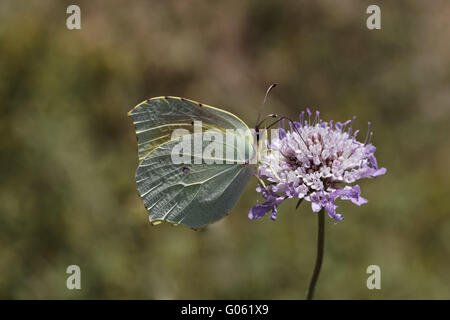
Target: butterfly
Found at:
x=197, y=193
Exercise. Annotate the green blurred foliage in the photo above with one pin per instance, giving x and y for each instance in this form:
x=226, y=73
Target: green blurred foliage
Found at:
x=68, y=150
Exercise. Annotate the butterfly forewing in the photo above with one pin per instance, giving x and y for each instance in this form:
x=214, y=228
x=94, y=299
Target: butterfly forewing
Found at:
x=155, y=119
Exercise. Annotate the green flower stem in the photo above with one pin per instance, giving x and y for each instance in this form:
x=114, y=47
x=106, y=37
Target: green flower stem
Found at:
x=319, y=257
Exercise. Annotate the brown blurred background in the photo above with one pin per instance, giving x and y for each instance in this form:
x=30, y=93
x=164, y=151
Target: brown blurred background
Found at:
x=68, y=150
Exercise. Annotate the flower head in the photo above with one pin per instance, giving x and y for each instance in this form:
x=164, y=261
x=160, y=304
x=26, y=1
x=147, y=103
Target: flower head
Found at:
x=316, y=161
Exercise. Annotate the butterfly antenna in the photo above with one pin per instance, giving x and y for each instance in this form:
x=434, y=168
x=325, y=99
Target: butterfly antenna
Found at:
x=273, y=85
x=294, y=126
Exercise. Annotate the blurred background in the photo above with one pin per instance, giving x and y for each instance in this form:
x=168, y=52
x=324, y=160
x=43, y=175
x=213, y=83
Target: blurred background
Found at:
x=69, y=153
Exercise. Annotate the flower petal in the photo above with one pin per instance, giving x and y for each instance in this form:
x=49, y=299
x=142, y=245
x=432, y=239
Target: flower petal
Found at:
x=260, y=210
x=379, y=172
x=331, y=210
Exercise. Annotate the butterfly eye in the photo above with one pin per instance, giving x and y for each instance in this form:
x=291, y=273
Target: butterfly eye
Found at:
x=186, y=170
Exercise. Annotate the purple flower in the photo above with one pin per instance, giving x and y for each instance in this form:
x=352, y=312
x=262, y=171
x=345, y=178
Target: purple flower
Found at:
x=316, y=161
x=273, y=201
